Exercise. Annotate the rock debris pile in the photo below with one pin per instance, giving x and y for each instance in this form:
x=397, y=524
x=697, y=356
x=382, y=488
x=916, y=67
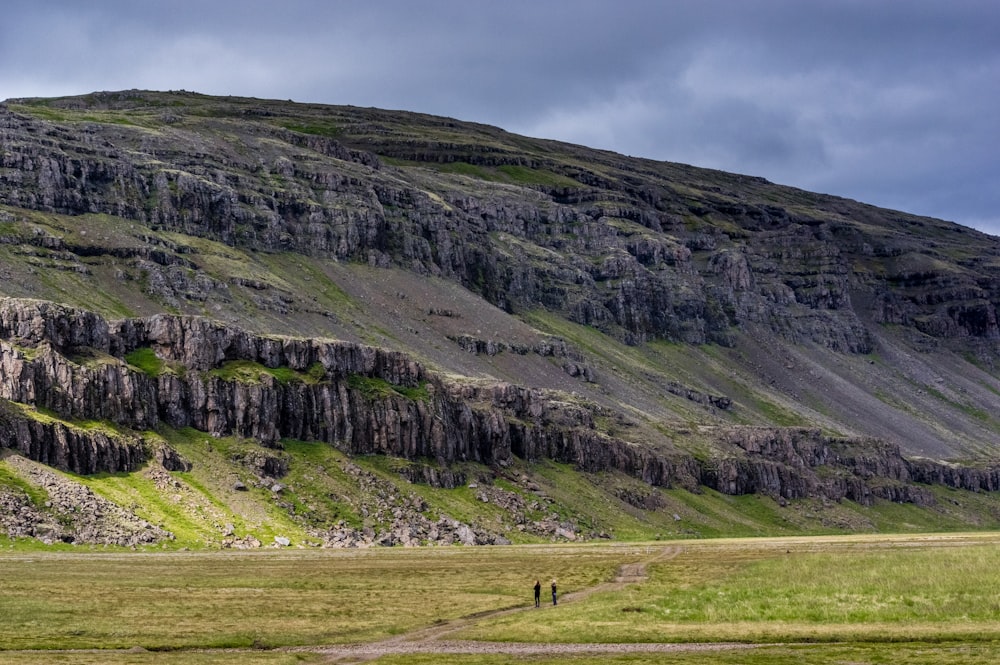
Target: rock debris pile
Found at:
x=72, y=513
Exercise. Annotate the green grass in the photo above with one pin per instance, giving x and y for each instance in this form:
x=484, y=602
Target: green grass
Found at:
x=316, y=372
x=39, y=111
x=711, y=514
x=776, y=414
x=318, y=487
x=859, y=589
x=139, y=492
x=193, y=508
x=524, y=175
x=804, y=600
x=376, y=388
x=459, y=503
x=108, y=118
x=208, y=499
x=248, y=371
x=146, y=361
x=313, y=128
x=300, y=274
x=912, y=654
x=851, y=654
x=464, y=168
x=198, y=504
x=506, y=173
x=37, y=495
x=596, y=512
x=418, y=393
x=141, y=657
x=370, y=387
x=273, y=598
x=47, y=416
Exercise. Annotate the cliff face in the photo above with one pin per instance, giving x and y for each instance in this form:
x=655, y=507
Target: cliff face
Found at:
x=364, y=400
x=499, y=299
x=641, y=250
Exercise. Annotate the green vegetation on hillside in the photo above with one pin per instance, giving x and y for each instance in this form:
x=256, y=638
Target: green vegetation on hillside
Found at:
x=11, y=481
x=248, y=371
x=146, y=361
x=376, y=388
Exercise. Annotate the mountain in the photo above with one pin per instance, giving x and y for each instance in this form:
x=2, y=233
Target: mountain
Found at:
x=231, y=317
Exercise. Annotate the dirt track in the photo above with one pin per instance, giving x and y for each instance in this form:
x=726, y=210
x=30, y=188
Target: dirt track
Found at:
x=429, y=640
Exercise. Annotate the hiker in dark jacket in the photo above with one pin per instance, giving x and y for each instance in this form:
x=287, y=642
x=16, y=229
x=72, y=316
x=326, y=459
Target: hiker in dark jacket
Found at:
x=553, y=592
x=538, y=593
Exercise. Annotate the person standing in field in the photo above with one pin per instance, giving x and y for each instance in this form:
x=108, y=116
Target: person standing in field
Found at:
x=538, y=593
x=553, y=592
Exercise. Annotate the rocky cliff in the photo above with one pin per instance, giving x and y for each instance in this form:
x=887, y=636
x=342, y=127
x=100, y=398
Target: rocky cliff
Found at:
x=443, y=292
x=61, y=368
x=639, y=249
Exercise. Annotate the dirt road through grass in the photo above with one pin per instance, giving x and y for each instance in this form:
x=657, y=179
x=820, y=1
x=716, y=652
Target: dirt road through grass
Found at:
x=429, y=640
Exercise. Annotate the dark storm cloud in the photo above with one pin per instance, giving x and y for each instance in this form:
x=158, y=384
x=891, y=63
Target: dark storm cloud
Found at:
x=888, y=102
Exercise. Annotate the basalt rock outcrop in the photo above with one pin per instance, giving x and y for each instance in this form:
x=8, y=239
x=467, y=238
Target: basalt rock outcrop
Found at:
x=364, y=400
x=68, y=447
x=637, y=317
x=640, y=249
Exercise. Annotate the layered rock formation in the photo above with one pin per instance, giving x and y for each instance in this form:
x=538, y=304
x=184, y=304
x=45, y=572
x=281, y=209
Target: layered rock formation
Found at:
x=366, y=400
x=639, y=249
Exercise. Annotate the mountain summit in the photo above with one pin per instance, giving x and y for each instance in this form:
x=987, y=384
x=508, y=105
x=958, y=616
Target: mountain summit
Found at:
x=473, y=306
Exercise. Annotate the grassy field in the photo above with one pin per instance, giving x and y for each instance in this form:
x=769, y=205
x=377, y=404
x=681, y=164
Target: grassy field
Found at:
x=855, y=599
x=267, y=598
x=832, y=589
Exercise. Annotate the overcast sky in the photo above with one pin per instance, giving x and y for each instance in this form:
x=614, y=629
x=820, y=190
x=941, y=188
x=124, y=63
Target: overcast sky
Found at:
x=892, y=102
